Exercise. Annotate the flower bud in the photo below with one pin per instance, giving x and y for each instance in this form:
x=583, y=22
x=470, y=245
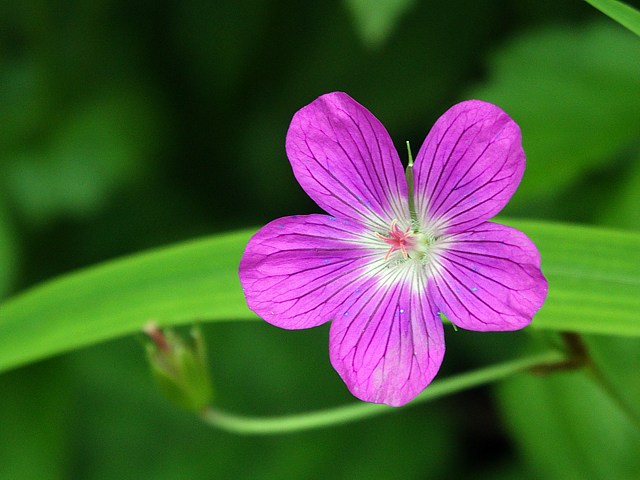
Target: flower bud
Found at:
x=179, y=367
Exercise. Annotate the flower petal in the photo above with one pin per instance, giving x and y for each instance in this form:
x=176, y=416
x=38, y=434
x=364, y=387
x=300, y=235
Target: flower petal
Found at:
x=296, y=271
x=468, y=167
x=345, y=160
x=387, y=343
x=489, y=279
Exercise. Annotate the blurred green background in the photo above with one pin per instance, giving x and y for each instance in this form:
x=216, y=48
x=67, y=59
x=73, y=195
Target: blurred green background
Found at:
x=127, y=125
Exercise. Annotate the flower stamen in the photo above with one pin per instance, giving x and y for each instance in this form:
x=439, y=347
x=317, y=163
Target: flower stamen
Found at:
x=398, y=240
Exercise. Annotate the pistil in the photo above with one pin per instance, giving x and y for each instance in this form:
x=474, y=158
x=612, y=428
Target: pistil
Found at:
x=398, y=240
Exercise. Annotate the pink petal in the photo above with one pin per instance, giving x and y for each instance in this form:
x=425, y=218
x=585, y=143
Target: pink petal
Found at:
x=387, y=342
x=489, y=279
x=468, y=167
x=345, y=160
x=296, y=271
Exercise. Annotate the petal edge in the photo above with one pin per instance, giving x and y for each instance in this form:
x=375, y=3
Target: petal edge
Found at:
x=296, y=271
x=387, y=344
x=489, y=279
x=344, y=159
x=468, y=167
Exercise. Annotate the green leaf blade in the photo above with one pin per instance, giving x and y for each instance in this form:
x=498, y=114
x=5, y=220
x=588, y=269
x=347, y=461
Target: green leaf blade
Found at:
x=594, y=278
x=193, y=281
x=622, y=13
x=593, y=273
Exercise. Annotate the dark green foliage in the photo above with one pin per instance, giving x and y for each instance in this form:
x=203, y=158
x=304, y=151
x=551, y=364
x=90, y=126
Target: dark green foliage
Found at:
x=128, y=125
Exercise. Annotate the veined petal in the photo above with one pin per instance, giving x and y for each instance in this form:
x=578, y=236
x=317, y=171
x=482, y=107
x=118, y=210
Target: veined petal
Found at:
x=468, y=167
x=296, y=271
x=387, y=341
x=488, y=279
x=345, y=160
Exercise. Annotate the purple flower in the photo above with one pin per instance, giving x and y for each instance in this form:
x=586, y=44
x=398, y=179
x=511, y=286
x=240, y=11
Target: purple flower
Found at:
x=396, y=250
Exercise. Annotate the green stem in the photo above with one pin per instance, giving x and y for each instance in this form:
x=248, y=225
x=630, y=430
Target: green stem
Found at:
x=349, y=413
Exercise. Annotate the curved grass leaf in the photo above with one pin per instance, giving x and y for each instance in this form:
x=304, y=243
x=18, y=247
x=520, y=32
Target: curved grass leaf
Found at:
x=622, y=13
x=594, y=278
x=193, y=281
x=594, y=287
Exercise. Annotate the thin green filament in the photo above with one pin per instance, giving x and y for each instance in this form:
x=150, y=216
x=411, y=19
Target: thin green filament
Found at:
x=409, y=175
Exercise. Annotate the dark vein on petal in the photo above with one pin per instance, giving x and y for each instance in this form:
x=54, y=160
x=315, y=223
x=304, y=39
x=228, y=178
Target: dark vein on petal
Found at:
x=410, y=337
x=460, y=302
x=355, y=319
x=434, y=190
x=490, y=279
x=388, y=300
x=432, y=160
x=372, y=193
x=349, y=192
x=419, y=298
x=356, y=345
x=414, y=315
x=333, y=279
x=472, y=207
x=380, y=186
x=455, y=188
x=392, y=189
x=443, y=297
x=460, y=253
x=367, y=323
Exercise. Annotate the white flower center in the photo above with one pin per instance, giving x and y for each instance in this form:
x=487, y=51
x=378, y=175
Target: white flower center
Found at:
x=411, y=244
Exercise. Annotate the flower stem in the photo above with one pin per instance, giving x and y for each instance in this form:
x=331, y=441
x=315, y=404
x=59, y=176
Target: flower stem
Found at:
x=349, y=413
